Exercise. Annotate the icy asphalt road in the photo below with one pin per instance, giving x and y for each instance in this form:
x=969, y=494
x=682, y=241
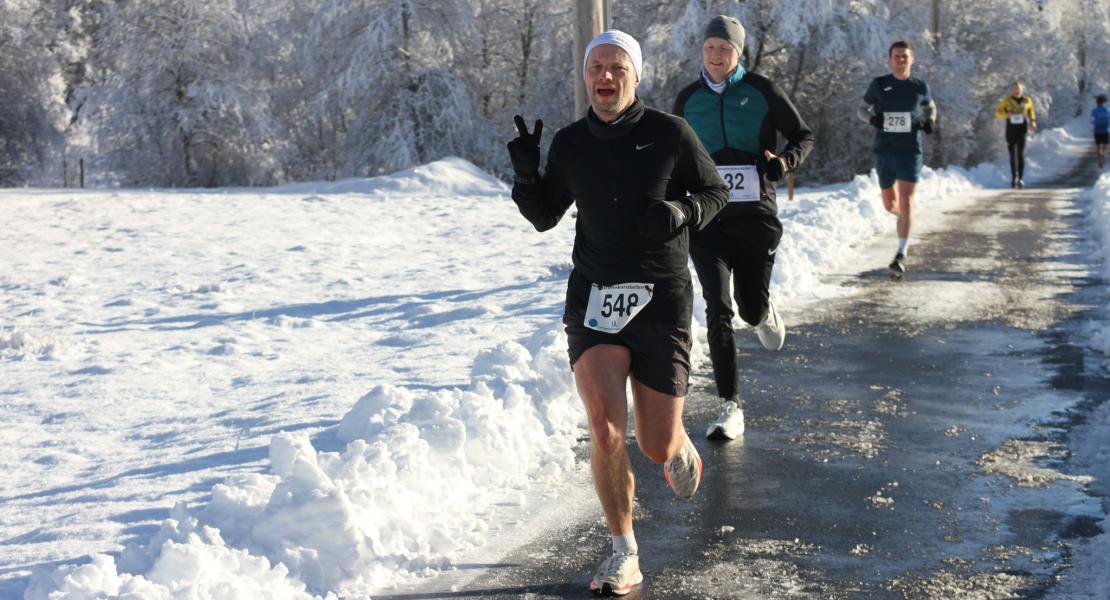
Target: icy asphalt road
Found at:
x=910, y=441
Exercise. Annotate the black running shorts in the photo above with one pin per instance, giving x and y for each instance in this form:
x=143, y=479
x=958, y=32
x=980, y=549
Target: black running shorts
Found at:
x=658, y=337
x=1102, y=138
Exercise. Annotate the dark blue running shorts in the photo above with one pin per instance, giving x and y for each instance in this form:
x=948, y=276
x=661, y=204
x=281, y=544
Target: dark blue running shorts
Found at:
x=903, y=167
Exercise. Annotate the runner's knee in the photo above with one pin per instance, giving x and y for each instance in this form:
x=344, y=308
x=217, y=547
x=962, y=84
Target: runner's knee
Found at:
x=606, y=435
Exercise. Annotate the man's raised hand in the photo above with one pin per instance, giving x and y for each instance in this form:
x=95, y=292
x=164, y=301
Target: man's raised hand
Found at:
x=524, y=150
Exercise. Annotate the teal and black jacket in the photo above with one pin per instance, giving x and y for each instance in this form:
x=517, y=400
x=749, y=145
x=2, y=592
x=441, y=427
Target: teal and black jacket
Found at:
x=737, y=125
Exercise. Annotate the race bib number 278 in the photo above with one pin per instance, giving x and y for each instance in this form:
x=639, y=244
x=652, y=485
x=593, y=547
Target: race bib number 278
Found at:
x=611, y=307
x=897, y=122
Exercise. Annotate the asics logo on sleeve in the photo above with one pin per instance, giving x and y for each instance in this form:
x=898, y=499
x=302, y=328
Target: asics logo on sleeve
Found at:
x=639, y=147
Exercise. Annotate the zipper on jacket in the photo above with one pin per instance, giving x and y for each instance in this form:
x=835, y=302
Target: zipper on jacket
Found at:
x=721, y=104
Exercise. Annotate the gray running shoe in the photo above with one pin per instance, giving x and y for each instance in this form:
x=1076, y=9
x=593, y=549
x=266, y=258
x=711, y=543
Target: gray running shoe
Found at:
x=617, y=574
x=771, y=330
x=683, y=470
x=729, y=425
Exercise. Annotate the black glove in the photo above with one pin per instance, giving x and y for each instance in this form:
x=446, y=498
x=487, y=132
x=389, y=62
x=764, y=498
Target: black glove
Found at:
x=877, y=121
x=928, y=126
x=663, y=219
x=775, y=169
x=524, y=150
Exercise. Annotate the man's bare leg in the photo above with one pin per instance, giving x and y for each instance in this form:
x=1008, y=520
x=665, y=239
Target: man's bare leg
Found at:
x=600, y=375
x=659, y=429
x=890, y=200
x=905, y=207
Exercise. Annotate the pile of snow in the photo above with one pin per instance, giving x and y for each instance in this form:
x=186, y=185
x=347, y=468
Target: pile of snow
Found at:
x=451, y=176
x=19, y=344
x=419, y=477
x=1099, y=198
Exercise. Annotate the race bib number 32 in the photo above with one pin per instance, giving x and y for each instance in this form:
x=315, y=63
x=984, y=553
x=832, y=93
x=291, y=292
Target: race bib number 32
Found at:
x=897, y=122
x=611, y=307
x=742, y=182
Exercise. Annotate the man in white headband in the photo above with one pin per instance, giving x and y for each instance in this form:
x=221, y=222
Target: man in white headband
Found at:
x=640, y=180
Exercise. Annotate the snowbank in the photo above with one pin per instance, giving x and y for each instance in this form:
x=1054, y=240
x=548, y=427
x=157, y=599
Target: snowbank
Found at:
x=1099, y=198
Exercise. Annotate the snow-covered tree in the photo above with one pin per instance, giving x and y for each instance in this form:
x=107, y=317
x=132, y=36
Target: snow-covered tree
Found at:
x=385, y=88
x=214, y=92
x=33, y=112
x=172, y=102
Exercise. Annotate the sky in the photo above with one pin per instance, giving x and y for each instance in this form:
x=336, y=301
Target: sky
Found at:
x=334, y=387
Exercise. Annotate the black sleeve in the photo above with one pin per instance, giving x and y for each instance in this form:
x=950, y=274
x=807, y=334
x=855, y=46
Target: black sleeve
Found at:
x=544, y=201
x=699, y=176
x=680, y=101
x=786, y=120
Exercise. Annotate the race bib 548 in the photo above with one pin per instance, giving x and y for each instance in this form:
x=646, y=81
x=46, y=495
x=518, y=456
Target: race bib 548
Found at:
x=611, y=307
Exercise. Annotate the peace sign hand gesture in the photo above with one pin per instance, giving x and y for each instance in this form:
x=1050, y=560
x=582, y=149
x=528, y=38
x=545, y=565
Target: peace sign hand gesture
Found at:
x=524, y=150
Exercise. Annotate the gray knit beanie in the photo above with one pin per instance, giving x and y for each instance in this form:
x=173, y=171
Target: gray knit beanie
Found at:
x=727, y=28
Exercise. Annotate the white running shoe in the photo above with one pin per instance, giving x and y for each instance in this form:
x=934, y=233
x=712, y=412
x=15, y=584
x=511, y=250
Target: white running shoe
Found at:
x=617, y=574
x=729, y=425
x=683, y=470
x=771, y=330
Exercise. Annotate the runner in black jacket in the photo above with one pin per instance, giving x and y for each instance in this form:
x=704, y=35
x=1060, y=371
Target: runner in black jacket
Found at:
x=640, y=180
x=738, y=116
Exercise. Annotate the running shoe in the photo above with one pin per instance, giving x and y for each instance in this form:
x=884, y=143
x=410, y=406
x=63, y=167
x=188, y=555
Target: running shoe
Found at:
x=683, y=470
x=771, y=330
x=898, y=265
x=1020, y=185
x=617, y=574
x=729, y=425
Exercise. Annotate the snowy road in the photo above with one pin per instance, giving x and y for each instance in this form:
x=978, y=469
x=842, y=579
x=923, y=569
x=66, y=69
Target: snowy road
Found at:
x=912, y=440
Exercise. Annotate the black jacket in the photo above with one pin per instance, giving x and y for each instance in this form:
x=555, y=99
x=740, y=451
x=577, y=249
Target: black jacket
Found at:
x=613, y=173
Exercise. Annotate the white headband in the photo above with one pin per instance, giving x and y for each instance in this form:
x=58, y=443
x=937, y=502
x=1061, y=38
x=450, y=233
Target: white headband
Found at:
x=621, y=40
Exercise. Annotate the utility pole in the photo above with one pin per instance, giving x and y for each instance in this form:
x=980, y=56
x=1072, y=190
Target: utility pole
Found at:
x=936, y=23
x=591, y=18
x=938, y=134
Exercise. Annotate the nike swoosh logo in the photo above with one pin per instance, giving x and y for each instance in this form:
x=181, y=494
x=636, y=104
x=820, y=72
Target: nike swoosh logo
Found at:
x=743, y=101
x=887, y=89
x=639, y=147
x=772, y=251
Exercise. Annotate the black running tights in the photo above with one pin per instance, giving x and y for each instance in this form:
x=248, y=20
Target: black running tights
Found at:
x=1016, y=146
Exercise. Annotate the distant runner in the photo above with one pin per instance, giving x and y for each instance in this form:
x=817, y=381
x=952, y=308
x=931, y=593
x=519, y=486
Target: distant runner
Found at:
x=1018, y=112
x=641, y=181
x=737, y=116
x=900, y=107
x=1100, y=117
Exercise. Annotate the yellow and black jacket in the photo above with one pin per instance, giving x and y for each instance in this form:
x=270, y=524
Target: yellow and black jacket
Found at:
x=1018, y=113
